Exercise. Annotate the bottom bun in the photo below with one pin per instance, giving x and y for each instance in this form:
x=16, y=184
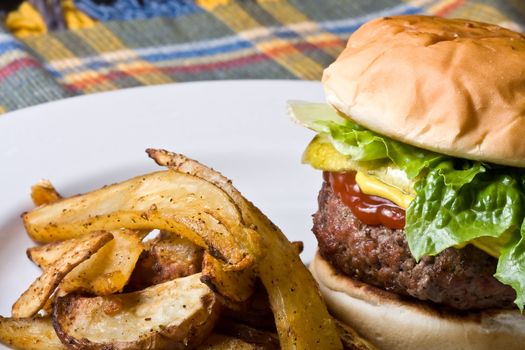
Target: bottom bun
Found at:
x=391, y=322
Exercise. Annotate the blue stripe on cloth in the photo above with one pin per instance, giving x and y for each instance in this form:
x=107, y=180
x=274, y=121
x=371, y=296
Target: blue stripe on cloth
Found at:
x=54, y=73
x=9, y=43
x=96, y=65
x=348, y=26
x=132, y=9
x=286, y=33
x=198, y=52
x=10, y=46
x=232, y=43
x=164, y=53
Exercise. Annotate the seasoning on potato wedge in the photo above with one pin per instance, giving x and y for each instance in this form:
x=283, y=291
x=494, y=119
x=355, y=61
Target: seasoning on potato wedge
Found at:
x=165, y=257
x=223, y=342
x=236, y=286
x=217, y=275
x=108, y=270
x=34, y=298
x=173, y=315
x=302, y=319
x=167, y=200
x=32, y=333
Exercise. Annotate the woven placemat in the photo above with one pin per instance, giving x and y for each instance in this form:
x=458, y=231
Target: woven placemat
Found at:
x=224, y=39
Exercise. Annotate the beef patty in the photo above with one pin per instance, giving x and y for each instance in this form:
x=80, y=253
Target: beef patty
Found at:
x=459, y=278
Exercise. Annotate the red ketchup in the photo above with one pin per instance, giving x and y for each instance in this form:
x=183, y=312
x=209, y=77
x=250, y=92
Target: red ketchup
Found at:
x=371, y=210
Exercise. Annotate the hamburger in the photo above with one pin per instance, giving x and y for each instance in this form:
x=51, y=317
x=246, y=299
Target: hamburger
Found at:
x=421, y=219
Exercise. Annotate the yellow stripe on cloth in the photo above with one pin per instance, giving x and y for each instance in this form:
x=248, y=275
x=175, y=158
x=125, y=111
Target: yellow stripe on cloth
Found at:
x=282, y=52
x=109, y=46
x=52, y=50
x=61, y=58
x=75, y=19
x=210, y=5
x=25, y=21
x=49, y=48
x=287, y=14
x=2, y=109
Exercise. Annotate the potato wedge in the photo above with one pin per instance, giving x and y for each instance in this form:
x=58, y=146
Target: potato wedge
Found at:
x=174, y=257
x=256, y=312
x=35, y=297
x=106, y=272
x=47, y=255
x=35, y=333
x=109, y=269
x=237, y=286
x=44, y=193
x=268, y=340
x=173, y=315
x=166, y=257
x=352, y=340
x=166, y=200
x=298, y=246
x=302, y=319
x=223, y=342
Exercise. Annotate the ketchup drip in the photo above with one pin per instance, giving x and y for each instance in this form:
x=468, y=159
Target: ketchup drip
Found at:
x=371, y=210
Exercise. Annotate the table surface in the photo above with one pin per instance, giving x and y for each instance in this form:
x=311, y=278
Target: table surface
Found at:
x=220, y=39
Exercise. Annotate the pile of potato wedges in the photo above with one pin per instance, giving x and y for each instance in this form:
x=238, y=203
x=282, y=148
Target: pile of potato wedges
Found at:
x=175, y=259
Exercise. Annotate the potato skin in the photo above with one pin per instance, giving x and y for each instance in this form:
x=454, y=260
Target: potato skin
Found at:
x=301, y=316
x=35, y=333
x=186, y=334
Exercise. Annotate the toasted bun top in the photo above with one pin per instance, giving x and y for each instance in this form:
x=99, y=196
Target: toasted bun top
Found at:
x=391, y=322
x=456, y=87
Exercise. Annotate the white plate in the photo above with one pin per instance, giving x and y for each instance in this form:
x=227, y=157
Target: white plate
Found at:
x=238, y=127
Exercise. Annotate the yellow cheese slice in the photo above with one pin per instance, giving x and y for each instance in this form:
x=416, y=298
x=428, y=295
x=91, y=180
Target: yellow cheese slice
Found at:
x=375, y=187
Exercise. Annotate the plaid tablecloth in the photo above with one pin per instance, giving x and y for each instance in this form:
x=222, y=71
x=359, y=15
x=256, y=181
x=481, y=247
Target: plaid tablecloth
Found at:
x=219, y=39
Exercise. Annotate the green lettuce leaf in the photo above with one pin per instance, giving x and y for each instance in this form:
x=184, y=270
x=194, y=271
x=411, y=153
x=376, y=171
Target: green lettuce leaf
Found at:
x=477, y=202
x=511, y=267
x=457, y=200
x=358, y=143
